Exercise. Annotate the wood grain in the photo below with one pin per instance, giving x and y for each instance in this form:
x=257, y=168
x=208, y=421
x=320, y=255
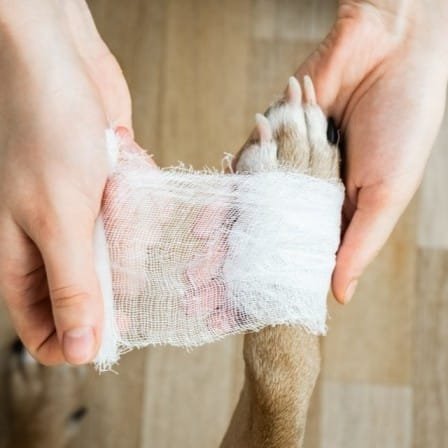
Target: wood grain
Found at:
x=114, y=402
x=193, y=391
x=433, y=213
x=430, y=363
x=367, y=335
x=366, y=415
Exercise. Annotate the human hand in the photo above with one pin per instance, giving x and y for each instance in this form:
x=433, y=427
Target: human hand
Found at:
x=60, y=90
x=382, y=74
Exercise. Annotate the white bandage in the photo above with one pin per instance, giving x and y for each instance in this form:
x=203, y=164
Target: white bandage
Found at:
x=195, y=256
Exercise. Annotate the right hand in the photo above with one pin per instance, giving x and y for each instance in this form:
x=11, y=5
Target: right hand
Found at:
x=60, y=89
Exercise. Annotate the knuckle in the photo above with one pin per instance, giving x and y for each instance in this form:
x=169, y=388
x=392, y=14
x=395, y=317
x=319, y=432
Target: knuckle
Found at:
x=385, y=195
x=45, y=224
x=68, y=297
x=40, y=220
x=56, y=222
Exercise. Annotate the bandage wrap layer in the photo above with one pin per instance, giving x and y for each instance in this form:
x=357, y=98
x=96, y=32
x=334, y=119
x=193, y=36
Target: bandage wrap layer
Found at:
x=196, y=256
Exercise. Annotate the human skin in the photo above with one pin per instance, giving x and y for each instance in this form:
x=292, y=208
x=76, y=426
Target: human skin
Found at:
x=60, y=89
x=381, y=73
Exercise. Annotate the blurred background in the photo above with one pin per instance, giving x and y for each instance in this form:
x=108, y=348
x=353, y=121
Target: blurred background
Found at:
x=198, y=71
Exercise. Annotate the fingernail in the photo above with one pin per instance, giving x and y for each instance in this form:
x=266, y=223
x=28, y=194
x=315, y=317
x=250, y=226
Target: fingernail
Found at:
x=79, y=345
x=351, y=288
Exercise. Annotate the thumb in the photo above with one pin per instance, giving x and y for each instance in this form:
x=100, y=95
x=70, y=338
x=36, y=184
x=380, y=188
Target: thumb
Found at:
x=74, y=290
x=366, y=233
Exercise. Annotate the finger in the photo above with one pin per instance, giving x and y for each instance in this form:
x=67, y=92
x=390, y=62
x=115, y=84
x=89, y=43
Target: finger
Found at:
x=30, y=311
x=74, y=290
x=23, y=286
x=126, y=140
x=365, y=235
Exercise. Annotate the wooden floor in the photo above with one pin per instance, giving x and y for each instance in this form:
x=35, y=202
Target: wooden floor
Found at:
x=198, y=72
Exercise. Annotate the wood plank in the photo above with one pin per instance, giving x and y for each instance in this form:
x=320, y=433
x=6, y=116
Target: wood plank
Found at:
x=370, y=339
x=205, y=58
x=433, y=213
x=430, y=363
x=190, y=396
x=366, y=415
x=114, y=403
x=291, y=20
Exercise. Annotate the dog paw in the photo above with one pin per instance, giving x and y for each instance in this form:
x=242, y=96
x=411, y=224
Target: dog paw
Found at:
x=45, y=403
x=294, y=133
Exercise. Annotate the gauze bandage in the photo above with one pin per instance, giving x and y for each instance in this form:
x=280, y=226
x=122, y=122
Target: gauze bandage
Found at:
x=185, y=258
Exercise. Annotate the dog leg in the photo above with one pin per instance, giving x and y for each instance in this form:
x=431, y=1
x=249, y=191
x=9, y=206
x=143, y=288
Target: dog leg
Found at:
x=282, y=363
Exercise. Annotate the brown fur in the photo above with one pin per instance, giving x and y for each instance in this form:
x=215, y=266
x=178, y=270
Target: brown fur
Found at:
x=281, y=363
